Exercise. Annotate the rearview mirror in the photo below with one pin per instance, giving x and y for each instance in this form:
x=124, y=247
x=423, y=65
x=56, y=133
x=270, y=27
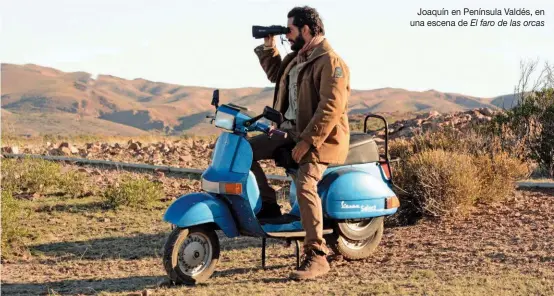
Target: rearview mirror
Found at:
x=215, y=98
x=273, y=115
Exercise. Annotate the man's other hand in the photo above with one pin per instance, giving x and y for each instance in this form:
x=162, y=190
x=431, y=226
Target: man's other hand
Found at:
x=269, y=41
x=300, y=150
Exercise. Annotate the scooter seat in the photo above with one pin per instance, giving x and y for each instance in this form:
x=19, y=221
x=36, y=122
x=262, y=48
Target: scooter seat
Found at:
x=363, y=149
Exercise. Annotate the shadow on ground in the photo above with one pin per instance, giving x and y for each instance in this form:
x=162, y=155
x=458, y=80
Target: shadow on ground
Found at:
x=135, y=247
x=125, y=247
x=82, y=287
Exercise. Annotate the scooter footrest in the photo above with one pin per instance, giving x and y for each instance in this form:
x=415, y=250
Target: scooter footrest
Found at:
x=284, y=219
x=295, y=234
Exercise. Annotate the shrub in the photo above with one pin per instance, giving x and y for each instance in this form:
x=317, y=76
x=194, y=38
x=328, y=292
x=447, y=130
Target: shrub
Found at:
x=75, y=184
x=12, y=213
x=439, y=183
x=445, y=173
x=29, y=176
x=527, y=129
x=133, y=192
x=497, y=176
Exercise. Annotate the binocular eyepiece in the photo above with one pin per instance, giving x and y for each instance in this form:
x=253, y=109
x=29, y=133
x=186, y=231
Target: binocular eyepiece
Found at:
x=262, y=31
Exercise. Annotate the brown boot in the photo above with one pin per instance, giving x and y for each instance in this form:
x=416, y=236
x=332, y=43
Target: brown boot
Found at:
x=315, y=264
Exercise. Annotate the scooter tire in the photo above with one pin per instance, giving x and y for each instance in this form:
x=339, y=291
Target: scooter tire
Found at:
x=171, y=254
x=356, y=249
x=361, y=230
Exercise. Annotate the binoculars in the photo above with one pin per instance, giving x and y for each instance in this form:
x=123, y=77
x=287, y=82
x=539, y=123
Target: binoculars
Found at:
x=262, y=31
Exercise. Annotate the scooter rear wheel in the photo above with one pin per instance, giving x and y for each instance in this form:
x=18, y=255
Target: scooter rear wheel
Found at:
x=191, y=254
x=357, y=249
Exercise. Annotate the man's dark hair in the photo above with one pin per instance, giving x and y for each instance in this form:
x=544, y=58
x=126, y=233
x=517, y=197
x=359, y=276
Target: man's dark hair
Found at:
x=307, y=16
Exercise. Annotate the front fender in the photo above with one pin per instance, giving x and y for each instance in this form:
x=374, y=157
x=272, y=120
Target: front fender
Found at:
x=200, y=208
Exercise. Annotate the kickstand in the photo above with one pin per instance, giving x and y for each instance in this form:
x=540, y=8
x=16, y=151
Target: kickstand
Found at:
x=297, y=255
x=263, y=253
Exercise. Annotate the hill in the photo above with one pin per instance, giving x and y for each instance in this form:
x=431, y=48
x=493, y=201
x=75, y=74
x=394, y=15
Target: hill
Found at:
x=114, y=104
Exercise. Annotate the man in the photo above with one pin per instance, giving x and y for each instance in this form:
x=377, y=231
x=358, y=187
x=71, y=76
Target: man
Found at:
x=312, y=90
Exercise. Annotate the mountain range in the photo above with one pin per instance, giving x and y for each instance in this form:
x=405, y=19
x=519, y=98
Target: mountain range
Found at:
x=43, y=100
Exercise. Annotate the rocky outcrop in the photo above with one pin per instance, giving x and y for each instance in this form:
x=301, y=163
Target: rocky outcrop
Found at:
x=434, y=121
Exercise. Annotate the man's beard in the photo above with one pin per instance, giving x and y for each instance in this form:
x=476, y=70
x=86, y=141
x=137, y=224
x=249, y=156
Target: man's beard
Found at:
x=298, y=43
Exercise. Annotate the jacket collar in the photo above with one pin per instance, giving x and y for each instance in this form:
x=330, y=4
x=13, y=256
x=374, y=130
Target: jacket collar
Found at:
x=323, y=48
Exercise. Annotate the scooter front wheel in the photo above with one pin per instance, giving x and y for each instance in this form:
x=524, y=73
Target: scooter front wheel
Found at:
x=191, y=254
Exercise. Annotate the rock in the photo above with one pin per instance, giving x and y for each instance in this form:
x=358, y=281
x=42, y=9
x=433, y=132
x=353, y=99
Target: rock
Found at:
x=135, y=146
x=186, y=157
x=486, y=112
x=64, y=150
x=10, y=149
x=70, y=148
x=407, y=132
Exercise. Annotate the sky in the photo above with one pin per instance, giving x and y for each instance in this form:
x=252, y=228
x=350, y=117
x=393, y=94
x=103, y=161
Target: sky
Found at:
x=210, y=43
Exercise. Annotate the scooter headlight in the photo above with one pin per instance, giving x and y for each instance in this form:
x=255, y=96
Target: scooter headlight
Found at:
x=225, y=120
x=221, y=188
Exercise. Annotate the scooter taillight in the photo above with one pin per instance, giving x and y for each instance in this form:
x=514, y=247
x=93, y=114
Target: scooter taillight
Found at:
x=386, y=169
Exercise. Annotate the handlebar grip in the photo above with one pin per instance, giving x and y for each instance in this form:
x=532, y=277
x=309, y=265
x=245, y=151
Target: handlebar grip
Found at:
x=277, y=132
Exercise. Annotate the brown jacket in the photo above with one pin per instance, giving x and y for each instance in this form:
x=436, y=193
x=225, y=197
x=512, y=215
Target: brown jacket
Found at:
x=323, y=92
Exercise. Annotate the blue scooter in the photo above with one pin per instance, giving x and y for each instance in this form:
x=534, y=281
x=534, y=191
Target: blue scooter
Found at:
x=356, y=196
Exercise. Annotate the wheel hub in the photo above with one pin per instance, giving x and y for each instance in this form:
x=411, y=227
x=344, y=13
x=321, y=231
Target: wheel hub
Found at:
x=358, y=226
x=195, y=254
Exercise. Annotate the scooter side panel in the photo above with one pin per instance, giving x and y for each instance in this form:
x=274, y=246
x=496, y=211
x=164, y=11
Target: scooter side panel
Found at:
x=246, y=220
x=353, y=193
x=323, y=185
x=200, y=208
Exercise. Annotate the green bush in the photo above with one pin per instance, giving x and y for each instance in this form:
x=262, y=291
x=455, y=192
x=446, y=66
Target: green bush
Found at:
x=12, y=232
x=75, y=184
x=30, y=176
x=133, y=192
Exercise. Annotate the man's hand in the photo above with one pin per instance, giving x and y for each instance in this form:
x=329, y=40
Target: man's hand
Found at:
x=269, y=41
x=300, y=150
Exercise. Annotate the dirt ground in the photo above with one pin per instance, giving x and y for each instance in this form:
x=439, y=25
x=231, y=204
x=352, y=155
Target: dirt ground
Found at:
x=81, y=248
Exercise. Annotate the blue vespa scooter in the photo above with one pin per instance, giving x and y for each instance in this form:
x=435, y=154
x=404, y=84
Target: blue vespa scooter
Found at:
x=356, y=196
